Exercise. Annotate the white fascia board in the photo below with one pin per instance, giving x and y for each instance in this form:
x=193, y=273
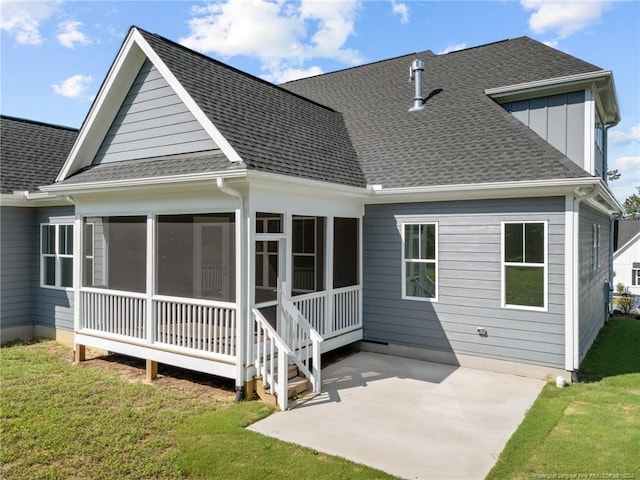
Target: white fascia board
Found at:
x=303, y=186
x=583, y=79
x=193, y=107
x=26, y=199
x=623, y=248
x=114, y=89
x=478, y=191
x=603, y=80
x=137, y=183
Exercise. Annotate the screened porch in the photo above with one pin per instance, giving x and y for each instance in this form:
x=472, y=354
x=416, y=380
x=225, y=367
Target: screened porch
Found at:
x=168, y=288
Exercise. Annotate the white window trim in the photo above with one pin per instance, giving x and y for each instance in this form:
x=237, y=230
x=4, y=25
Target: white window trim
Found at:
x=635, y=277
x=595, y=250
x=56, y=223
x=434, y=261
x=504, y=264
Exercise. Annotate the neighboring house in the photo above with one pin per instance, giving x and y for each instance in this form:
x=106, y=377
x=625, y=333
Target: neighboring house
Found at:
x=626, y=255
x=228, y=225
x=36, y=294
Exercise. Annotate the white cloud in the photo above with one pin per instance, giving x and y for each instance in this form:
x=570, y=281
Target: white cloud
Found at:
x=22, y=19
x=563, y=17
x=623, y=138
x=452, y=48
x=281, y=35
x=73, y=87
x=628, y=163
x=69, y=34
x=552, y=44
x=290, y=74
x=400, y=9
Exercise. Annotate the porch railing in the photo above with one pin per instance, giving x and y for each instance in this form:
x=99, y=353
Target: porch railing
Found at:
x=204, y=327
x=123, y=313
x=271, y=356
x=190, y=325
x=344, y=306
x=304, y=342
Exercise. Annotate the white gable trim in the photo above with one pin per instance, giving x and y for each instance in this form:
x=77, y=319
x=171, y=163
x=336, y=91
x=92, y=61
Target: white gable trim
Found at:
x=621, y=250
x=112, y=93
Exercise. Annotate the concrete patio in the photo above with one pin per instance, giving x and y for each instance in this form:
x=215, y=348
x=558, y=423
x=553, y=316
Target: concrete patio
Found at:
x=410, y=418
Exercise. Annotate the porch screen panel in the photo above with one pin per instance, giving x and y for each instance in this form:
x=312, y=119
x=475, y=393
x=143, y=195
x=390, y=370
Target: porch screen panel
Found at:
x=115, y=253
x=345, y=252
x=308, y=238
x=196, y=256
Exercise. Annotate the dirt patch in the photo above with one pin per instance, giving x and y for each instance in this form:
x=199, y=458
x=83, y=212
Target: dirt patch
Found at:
x=204, y=386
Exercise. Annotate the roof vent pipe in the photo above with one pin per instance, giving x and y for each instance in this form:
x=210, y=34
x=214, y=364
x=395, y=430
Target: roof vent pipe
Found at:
x=415, y=74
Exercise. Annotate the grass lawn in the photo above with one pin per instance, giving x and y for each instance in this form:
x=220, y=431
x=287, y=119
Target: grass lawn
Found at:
x=585, y=430
x=62, y=421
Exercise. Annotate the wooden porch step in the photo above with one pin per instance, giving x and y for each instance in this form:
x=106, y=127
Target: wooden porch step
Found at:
x=297, y=385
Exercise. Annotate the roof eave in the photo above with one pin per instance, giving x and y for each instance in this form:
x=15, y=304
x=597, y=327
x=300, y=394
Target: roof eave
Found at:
x=493, y=190
x=33, y=199
x=600, y=80
x=191, y=179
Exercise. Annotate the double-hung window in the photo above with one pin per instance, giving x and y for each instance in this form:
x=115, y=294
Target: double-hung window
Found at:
x=56, y=249
x=524, y=265
x=420, y=261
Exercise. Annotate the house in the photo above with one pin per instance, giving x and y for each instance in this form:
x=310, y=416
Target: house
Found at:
x=626, y=254
x=231, y=226
x=36, y=294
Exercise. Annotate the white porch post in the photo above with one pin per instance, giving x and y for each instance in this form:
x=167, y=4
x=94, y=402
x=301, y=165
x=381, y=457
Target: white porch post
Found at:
x=150, y=276
x=328, y=268
x=241, y=305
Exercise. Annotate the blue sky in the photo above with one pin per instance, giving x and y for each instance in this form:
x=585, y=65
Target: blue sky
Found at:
x=54, y=55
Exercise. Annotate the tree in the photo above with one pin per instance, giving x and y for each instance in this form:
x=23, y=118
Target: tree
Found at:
x=632, y=205
x=613, y=175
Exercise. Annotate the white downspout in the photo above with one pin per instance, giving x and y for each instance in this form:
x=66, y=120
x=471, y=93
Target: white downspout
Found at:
x=572, y=287
x=240, y=301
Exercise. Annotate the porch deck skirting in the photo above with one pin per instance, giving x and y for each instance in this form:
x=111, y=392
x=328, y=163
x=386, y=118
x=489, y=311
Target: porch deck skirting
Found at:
x=186, y=327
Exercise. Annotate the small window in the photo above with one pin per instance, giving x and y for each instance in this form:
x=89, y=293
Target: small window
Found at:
x=56, y=249
x=635, y=276
x=595, y=251
x=419, y=261
x=524, y=264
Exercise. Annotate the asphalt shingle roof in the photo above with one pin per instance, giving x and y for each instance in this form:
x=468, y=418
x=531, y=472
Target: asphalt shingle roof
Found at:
x=271, y=129
x=461, y=136
x=31, y=153
x=627, y=229
x=152, y=168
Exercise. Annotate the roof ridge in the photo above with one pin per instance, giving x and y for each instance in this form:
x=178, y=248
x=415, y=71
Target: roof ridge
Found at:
x=482, y=46
x=37, y=122
x=232, y=68
x=424, y=52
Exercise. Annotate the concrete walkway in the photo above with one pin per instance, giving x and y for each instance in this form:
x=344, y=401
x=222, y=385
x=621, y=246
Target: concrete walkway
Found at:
x=410, y=418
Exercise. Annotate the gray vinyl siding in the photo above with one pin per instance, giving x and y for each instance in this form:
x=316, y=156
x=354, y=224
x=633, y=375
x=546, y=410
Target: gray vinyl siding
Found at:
x=593, y=295
x=52, y=307
x=152, y=121
x=469, y=277
x=18, y=241
x=559, y=119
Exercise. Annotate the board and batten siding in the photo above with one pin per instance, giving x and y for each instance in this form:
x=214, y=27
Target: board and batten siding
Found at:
x=52, y=307
x=152, y=121
x=559, y=119
x=469, y=277
x=592, y=283
x=19, y=239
